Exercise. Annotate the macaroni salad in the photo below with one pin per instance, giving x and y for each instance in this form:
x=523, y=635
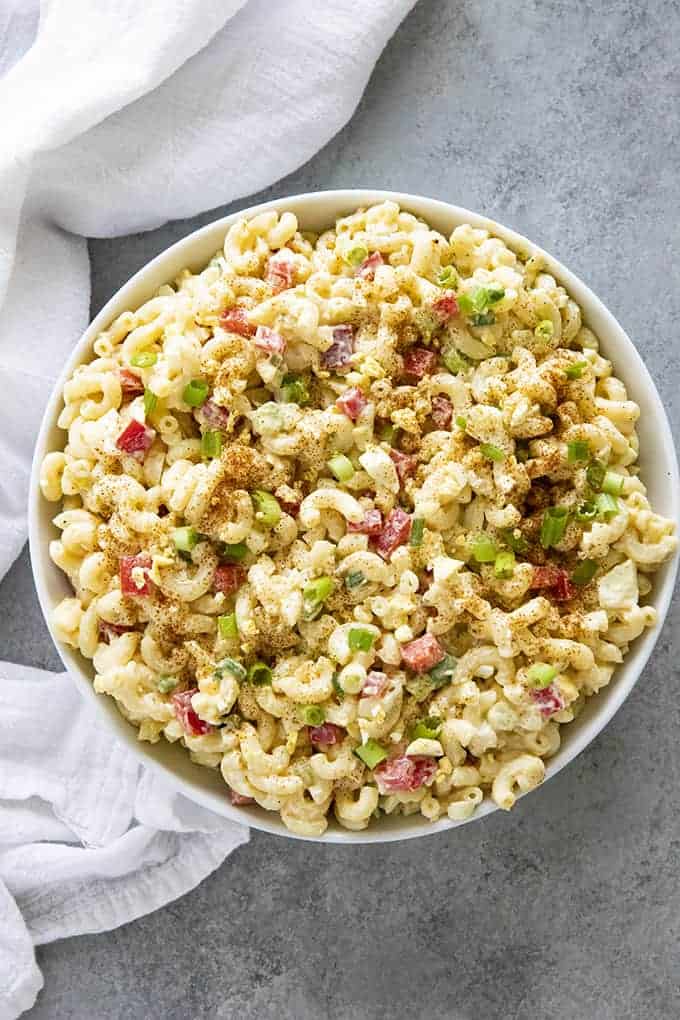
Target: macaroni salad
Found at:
x=355, y=517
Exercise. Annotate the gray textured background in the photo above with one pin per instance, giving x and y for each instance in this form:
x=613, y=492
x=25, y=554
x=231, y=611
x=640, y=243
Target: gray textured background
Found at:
x=561, y=120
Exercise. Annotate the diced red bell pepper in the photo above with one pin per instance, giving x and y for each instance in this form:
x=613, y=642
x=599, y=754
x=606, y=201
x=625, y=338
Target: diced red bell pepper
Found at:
x=280, y=273
x=372, y=523
x=134, y=574
x=192, y=724
x=228, y=577
x=376, y=683
x=130, y=383
x=446, y=306
x=338, y=357
x=326, y=735
x=442, y=411
x=212, y=415
x=423, y=653
x=405, y=463
x=402, y=774
x=135, y=439
x=419, y=362
x=235, y=320
x=351, y=402
x=548, y=699
x=368, y=267
x=269, y=340
x=556, y=580
x=395, y=532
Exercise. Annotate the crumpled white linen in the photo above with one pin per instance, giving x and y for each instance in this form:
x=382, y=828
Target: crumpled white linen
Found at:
x=118, y=115
x=88, y=839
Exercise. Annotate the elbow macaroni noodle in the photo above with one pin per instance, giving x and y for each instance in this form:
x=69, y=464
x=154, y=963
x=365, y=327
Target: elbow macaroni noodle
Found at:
x=356, y=518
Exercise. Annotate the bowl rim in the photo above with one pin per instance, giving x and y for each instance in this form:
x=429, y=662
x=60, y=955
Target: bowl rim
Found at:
x=618, y=347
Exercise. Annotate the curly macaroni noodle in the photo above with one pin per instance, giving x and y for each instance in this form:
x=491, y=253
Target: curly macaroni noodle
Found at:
x=356, y=518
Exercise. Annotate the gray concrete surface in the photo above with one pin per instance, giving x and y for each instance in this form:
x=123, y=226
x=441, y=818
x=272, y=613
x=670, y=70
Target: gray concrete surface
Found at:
x=560, y=119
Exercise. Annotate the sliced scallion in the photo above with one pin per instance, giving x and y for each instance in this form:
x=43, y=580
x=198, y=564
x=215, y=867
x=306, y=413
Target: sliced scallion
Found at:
x=341, y=467
x=577, y=450
x=150, y=402
x=314, y=595
x=354, y=579
x=356, y=255
x=165, y=684
x=427, y=729
x=195, y=393
x=184, y=539
x=606, y=505
x=417, y=530
x=504, y=564
x=544, y=330
x=211, y=444
x=461, y=422
x=447, y=277
x=455, y=361
x=371, y=753
x=143, y=359
x=554, y=525
x=483, y=549
x=312, y=715
x=260, y=674
x=515, y=539
x=267, y=509
x=595, y=474
x=575, y=370
x=232, y=551
x=613, y=483
x=541, y=674
x=231, y=666
x=491, y=452
x=360, y=639
x=441, y=674
x=584, y=572
x=227, y=626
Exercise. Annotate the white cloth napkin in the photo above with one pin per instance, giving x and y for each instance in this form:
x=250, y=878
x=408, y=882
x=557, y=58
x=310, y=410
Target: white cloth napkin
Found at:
x=116, y=116
x=88, y=840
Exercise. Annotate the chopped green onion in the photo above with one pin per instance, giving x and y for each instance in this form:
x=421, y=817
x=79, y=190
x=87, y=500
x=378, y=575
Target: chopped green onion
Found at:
x=584, y=572
x=478, y=300
x=544, y=330
x=428, y=729
x=554, y=525
x=447, y=277
x=595, y=474
x=294, y=390
x=227, y=625
x=575, y=370
x=260, y=674
x=312, y=715
x=613, y=483
x=314, y=595
x=231, y=666
x=195, y=393
x=541, y=674
x=339, y=693
x=360, y=640
x=341, y=467
x=145, y=359
x=586, y=512
x=578, y=450
x=515, y=539
x=417, y=530
x=150, y=401
x=211, y=444
x=504, y=564
x=491, y=452
x=232, y=551
x=483, y=549
x=371, y=753
x=461, y=422
x=185, y=539
x=388, y=434
x=355, y=256
x=483, y=319
x=606, y=505
x=354, y=579
x=455, y=361
x=441, y=674
x=267, y=509
x=165, y=684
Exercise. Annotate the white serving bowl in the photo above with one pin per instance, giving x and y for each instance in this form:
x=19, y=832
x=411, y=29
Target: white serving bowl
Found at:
x=316, y=212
